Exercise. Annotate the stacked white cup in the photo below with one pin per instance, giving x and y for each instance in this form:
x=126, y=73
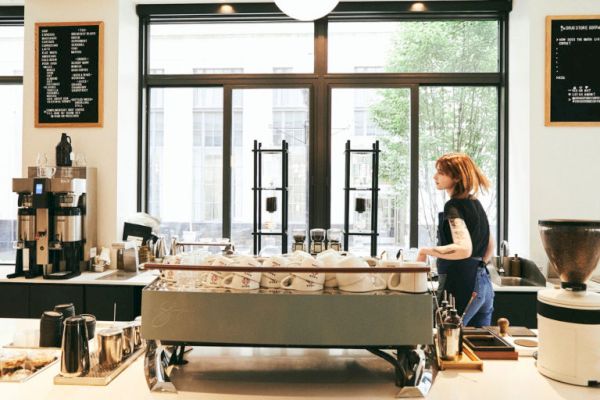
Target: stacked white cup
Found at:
x=273, y=280
x=214, y=279
x=304, y=281
x=358, y=282
x=329, y=258
x=241, y=280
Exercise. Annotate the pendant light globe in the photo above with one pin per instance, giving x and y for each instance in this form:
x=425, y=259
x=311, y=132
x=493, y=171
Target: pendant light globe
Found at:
x=306, y=10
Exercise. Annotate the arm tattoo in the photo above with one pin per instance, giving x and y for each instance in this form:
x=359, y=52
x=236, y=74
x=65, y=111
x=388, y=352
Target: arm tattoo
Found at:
x=460, y=233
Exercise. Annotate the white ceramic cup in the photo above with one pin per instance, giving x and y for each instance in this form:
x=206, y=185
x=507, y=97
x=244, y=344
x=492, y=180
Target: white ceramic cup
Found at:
x=367, y=284
x=315, y=277
x=351, y=262
x=329, y=258
x=389, y=264
x=409, y=282
x=299, y=255
x=240, y=282
x=273, y=279
x=214, y=279
x=49, y=172
x=247, y=261
x=295, y=282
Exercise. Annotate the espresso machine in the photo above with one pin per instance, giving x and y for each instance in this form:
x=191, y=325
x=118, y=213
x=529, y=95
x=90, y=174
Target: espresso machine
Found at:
x=63, y=210
x=569, y=316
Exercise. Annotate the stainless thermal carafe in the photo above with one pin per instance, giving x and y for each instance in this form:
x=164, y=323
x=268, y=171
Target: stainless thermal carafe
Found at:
x=75, y=358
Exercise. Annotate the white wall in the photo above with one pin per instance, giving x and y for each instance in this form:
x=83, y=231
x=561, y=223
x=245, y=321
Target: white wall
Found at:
x=553, y=170
x=112, y=149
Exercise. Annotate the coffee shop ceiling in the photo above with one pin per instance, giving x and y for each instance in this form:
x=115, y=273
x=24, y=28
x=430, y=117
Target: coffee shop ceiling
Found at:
x=266, y=1
x=22, y=2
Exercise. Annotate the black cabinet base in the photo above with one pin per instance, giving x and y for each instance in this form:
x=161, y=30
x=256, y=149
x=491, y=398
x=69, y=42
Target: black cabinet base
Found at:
x=518, y=307
x=25, y=300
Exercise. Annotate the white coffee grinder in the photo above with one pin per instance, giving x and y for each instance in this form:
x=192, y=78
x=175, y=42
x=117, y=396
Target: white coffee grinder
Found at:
x=569, y=317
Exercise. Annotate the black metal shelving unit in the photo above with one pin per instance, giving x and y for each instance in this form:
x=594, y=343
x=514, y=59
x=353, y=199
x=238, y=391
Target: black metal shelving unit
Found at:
x=374, y=189
x=258, y=190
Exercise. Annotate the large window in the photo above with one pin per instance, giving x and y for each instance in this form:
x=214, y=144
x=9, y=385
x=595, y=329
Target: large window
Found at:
x=11, y=103
x=421, y=87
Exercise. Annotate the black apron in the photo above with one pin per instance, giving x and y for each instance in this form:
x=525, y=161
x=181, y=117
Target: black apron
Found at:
x=461, y=275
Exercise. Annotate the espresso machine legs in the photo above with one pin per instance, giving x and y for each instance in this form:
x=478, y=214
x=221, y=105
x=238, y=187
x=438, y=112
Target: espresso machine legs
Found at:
x=413, y=368
x=157, y=367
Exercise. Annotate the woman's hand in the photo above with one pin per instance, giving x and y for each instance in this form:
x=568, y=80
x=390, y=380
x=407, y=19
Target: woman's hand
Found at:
x=423, y=253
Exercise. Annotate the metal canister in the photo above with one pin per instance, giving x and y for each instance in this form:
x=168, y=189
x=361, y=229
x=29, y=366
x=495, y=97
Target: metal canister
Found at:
x=110, y=347
x=449, y=341
x=128, y=338
x=67, y=225
x=26, y=225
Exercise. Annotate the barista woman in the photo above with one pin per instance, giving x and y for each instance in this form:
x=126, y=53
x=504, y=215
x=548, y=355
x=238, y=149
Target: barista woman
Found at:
x=464, y=241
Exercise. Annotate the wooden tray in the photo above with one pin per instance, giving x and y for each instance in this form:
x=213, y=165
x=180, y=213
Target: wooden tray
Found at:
x=97, y=375
x=498, y=349
x=468, y=360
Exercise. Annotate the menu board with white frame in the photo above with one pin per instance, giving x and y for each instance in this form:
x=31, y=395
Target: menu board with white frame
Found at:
x=69, y=74
x=572, y=70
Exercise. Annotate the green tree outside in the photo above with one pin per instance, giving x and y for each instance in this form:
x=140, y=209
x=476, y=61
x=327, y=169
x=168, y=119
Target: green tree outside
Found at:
x=451, y=119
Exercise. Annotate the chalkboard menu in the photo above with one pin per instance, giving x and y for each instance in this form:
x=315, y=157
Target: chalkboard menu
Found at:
x=573, y=70
x=69, y=74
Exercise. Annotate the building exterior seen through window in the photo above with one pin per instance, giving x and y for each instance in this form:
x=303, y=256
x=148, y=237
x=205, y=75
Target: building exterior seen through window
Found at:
x=186, y=128
x=11, y=104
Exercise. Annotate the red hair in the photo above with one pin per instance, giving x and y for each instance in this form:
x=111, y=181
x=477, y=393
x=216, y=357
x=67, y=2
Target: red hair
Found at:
x=461, y=168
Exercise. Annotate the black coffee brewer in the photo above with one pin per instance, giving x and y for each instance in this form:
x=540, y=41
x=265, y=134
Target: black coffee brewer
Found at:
x=57, y=222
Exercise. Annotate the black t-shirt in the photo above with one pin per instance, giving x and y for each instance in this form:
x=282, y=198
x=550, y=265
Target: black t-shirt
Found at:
x=471, y=211
x=460, y=274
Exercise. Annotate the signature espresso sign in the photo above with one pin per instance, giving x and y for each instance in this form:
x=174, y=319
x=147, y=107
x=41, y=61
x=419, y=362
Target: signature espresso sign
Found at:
x=69, y=74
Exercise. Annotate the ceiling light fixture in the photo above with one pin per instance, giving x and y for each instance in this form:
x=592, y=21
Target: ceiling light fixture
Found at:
x=418, y=7
x=306, y=10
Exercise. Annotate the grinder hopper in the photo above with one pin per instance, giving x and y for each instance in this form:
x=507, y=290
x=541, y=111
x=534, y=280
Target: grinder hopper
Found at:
x=573, y=248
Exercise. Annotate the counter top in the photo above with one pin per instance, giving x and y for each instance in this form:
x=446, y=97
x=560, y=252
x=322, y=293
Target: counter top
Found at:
x=108, y=277
x=247, y=373
x=591, y=286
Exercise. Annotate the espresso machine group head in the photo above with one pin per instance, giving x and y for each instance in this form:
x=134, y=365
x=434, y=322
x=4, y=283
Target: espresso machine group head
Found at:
x=63, y=210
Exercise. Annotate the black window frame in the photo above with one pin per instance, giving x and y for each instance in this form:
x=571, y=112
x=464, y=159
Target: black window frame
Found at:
x=12, y=16
x=321, y=82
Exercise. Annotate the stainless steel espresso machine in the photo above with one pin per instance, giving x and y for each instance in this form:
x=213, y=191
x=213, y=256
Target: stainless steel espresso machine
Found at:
x=57, y=222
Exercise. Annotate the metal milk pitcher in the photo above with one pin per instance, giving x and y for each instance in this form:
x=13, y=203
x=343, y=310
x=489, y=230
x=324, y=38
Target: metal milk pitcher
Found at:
x=160, y=250
x=173, y=248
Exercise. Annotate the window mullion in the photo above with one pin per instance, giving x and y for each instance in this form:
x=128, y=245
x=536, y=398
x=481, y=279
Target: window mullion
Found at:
x=414, y=166
x=227, y=141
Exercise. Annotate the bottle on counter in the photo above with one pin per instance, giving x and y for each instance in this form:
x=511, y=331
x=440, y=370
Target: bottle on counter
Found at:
x=63, y=151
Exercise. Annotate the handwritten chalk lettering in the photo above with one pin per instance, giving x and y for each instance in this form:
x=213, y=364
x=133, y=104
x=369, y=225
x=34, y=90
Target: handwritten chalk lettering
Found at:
x=68, y=94
x=574, y=83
